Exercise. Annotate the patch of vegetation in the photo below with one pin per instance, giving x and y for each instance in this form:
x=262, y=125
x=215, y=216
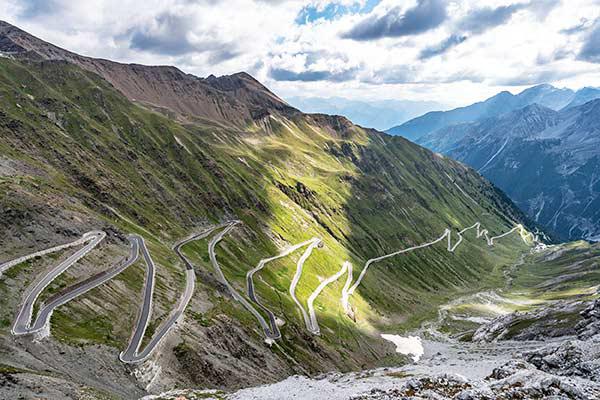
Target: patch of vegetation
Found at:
x=96, y=329
x=9, y=369
x=201, y=319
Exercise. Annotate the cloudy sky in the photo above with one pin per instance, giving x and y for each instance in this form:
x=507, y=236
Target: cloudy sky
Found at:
x=453, y=52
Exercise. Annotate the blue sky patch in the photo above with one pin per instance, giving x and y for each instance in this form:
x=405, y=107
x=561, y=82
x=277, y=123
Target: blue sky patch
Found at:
x=332, y=11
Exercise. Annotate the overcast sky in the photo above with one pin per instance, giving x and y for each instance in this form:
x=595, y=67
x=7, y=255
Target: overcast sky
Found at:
x=453, y=52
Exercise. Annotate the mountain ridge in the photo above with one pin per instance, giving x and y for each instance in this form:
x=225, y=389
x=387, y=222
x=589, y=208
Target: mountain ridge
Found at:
x=543, y=94
x=530, y=151
x=163, y=86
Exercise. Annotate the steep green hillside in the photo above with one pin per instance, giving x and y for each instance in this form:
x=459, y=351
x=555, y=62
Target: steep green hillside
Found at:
x=76, y=155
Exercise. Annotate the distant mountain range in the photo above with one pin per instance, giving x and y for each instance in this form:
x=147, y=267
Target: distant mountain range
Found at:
x=547, y=161
x=545, y=95
x=377, y=114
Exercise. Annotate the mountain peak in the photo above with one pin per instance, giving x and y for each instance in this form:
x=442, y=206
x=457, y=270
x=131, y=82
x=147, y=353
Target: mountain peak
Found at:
x=233, y=99
x=541, y=86
x=534, y=107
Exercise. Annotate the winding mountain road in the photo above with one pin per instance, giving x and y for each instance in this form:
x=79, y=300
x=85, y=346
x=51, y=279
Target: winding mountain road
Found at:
x=42, y=322
x=347, y=291
x=274, y=331
x=271, y=335
x=346, y=267
x=22, y=322
x=132, y=355
x=9, y=264
x=314, y=243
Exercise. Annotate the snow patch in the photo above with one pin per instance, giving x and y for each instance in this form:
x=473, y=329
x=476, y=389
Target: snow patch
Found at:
x=410, y=345
x=476, y=320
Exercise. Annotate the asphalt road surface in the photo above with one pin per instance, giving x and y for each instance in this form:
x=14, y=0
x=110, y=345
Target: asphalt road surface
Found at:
x=274, y=332
x=271, y=336
x=296, y=279
x=43, y=318
x=21, y=325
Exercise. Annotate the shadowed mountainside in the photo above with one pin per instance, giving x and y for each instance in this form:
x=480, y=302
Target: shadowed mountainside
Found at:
x=545, y=160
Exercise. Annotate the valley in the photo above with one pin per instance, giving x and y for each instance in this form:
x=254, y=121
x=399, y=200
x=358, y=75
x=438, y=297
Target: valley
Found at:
x=555, y=354
x=167, y=235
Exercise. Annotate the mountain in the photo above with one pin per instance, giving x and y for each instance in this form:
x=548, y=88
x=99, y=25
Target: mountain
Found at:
x=372, y=114
x=584, y=95
x=545, y=95
x=232, y=100
x=547, y=161
x=90, y=144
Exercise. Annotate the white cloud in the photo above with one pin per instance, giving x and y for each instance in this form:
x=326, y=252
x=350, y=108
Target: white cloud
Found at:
x=525, y=41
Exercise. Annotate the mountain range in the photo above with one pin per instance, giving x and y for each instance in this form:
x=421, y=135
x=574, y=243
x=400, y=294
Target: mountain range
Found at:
x=152, y=154
x=377, y=114
x=545, y=95
x=547, y=161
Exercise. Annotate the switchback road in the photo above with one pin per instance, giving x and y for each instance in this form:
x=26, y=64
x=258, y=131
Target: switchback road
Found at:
x=315, y=242
x=132, y=354
x=21, y=325
x=42, y=322
x=347, y=291
x=274, y=332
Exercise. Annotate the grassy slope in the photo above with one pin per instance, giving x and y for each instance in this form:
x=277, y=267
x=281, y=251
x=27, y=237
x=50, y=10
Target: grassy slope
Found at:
x=566, y=271
x=559, y=275
x=287, y=178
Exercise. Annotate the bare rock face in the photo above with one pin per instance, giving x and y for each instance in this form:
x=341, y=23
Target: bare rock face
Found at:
x=570, y=358
x=516, y=379
x=522, y=383
x=579, y=319
x=590, y=325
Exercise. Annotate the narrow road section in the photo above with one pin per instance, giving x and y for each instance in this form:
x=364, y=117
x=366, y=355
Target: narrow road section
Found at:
x=9, y=264
x=347, y=291
x=270, y=336
x=42, y=322
x=315, y=242
x=274, y=331
x=22, y=322
x=315, y=329
x=132, y=354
